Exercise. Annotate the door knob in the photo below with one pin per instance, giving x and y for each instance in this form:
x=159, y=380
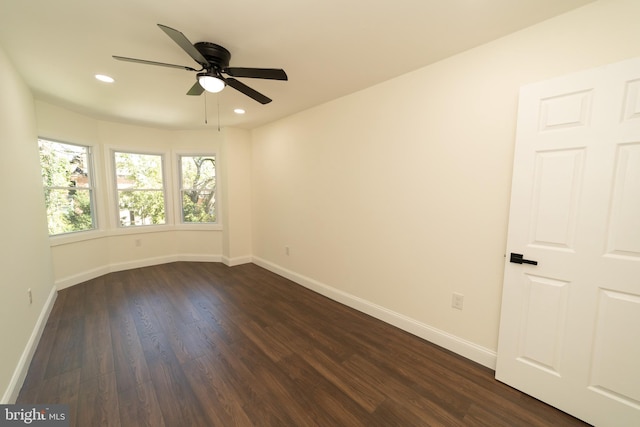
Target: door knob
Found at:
x=518, y=259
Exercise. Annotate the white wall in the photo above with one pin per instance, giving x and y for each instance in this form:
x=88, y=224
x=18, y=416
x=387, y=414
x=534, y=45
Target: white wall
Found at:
x=87, y=255
x=25, y=261
x=236, y=201
x=393, y=198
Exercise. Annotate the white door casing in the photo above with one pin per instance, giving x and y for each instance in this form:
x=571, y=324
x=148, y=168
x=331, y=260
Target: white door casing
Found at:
x=570, y=326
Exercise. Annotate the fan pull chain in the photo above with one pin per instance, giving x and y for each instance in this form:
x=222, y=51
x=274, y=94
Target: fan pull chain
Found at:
x=218, y=102
x=205, y=109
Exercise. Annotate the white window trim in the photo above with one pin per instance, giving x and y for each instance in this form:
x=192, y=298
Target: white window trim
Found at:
x=93, y=191
x=106, y=215
x=114, y=213
x=177, y=206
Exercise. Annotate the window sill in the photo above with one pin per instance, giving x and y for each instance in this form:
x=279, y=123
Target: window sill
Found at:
x=82, y=236
x=79, y=236
x=198, y=227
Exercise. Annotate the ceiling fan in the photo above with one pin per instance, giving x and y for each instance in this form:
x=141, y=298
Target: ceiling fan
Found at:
x=214, y=60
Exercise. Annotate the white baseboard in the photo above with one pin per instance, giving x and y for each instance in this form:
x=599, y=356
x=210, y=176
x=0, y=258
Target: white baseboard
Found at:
x=231, y=262
x=460, y=346
x=20, y=373
x=68, y=281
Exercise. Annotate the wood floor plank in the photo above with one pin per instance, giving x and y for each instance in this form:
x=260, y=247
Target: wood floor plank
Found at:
x=67, y=350
x=331, y=368
x=213, y=384
x=239, y=360
x=266, y=342
x=128, y=358
x=176, y=293
x=139, y=407
x=98, y=347
x=298, y=411
x=98, y=402
x=37, y=370
x=214, y=316
x=203, y=344
x=176, y=329
x=178, y=402
x=321, y=401
x=418, y=400
x=68, y=393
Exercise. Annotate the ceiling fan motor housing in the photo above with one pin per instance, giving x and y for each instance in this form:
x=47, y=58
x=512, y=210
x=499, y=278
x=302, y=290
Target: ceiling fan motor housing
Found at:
x=217, y=56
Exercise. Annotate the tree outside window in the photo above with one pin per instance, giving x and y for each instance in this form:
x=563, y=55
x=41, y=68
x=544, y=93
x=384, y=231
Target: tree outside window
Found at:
x=68, y=187
x=198, y=189
x=141, y=198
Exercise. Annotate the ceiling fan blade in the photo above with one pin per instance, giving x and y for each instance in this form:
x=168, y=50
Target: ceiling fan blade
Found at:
x=251, y=93
x=196, y=89
x=257, y=73
x=144, y=61
x=182, y=41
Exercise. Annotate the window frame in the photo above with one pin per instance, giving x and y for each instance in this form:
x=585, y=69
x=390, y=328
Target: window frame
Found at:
x=180, y=188
x=90, y=188
x=166, y=193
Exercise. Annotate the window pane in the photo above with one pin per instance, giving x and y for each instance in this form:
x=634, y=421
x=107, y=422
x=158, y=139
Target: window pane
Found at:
x=198, y=172
x=141, y=207
x=198, y=186
x=141, y=199
x=67, y=185
x=198, y=206
x=63, y=165
x=138, y=171
x=68, y=210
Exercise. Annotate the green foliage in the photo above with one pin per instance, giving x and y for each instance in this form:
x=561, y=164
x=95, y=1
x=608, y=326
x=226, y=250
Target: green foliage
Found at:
x=203, y=210
x=140, y=189
x=141, y=207
x=66, y=182
x=79, y=215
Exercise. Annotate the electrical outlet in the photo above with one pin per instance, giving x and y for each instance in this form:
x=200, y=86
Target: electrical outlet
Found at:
x=457, y=301
x=30, y=296
x=138, y=243
x=286, y=250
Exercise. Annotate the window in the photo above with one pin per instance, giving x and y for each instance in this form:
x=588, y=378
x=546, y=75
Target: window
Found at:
x=68, y=186
x=140, y=188
x=198, y=188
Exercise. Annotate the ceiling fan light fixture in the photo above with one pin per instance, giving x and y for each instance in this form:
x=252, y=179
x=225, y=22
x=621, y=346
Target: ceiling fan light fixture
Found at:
x=211, y=83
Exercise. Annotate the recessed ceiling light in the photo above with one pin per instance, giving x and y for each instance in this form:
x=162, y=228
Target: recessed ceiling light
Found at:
x=239, y=111
x=104, y=78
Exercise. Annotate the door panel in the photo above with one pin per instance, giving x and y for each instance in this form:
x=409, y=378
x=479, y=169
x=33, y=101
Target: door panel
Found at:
x=624, y=227
x=616, y=368
x=566, y=110
x=632, y=100
x=557, y=181
x=570, y=326
x=543, y=321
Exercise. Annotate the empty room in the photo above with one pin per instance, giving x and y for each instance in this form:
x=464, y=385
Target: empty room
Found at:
x=407, y=213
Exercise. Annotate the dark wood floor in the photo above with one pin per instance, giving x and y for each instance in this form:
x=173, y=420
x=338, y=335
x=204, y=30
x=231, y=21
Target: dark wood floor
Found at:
x=202, y=344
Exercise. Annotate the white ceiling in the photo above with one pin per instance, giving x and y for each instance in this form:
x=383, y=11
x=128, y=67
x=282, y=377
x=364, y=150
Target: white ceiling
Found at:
x=328, y=48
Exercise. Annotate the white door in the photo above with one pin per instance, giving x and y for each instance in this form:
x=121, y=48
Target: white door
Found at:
x=570, y=325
